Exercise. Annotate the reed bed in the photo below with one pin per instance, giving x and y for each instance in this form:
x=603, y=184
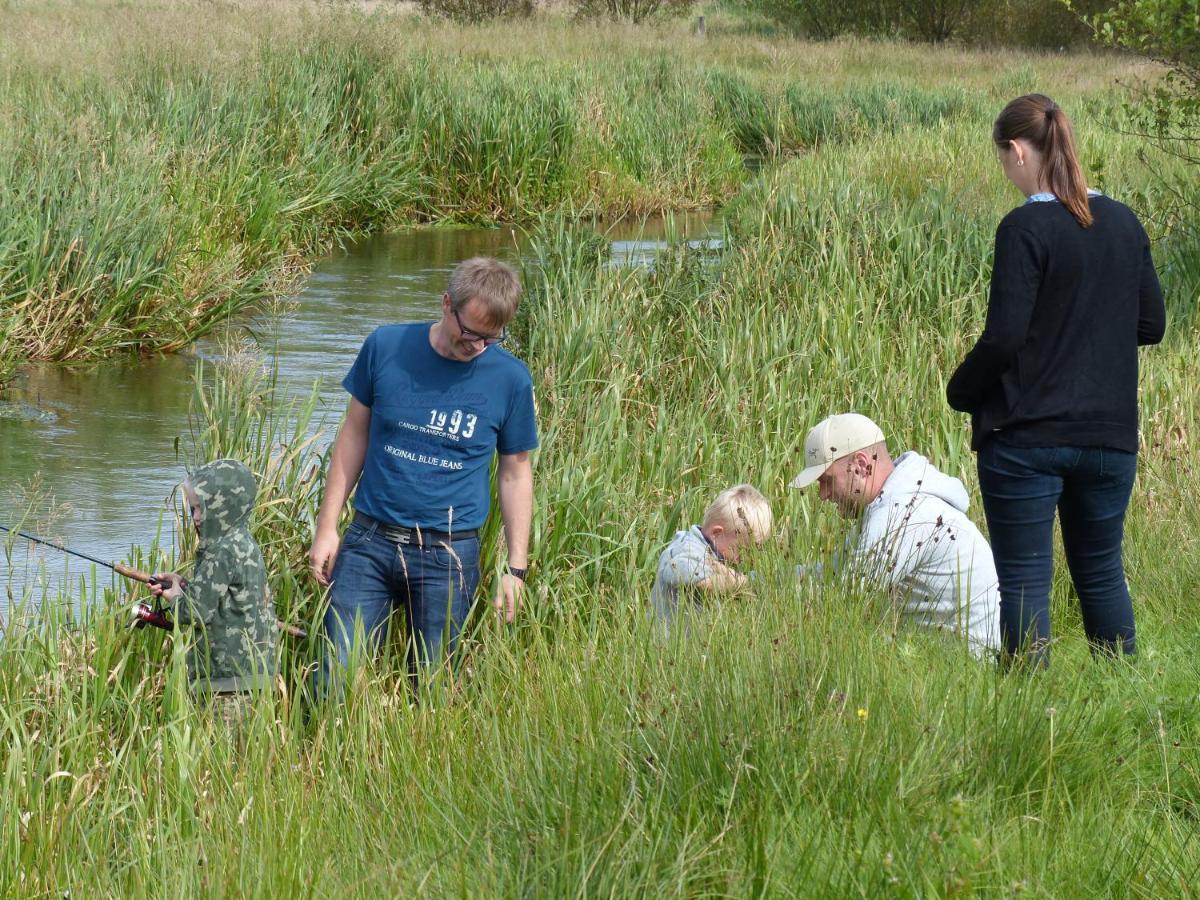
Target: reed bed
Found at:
x=799, y=741
x=161, y=169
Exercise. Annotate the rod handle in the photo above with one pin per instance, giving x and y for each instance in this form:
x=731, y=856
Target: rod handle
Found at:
x=130, y=572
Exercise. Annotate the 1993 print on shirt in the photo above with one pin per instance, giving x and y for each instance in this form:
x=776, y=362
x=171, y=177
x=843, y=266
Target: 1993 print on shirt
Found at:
x=435, y=423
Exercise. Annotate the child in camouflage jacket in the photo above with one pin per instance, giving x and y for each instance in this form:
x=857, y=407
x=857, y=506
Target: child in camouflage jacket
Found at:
x=234, y=651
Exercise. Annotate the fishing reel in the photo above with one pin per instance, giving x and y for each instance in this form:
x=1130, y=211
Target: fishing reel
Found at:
x=143, y=614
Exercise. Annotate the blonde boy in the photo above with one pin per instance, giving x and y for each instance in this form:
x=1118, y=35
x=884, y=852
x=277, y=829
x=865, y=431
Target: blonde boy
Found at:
x=697, y=564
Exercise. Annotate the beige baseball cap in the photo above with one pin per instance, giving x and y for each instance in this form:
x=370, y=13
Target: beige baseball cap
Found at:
x=832, y=439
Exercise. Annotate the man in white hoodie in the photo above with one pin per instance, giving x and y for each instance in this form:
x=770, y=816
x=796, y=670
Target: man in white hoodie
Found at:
x=914, y=537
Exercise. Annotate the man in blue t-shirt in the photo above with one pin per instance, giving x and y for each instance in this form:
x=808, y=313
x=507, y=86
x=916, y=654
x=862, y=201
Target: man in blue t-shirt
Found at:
x=430, y=404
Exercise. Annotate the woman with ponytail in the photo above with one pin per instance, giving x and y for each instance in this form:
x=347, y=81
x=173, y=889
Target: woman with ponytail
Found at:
x=1051, y=384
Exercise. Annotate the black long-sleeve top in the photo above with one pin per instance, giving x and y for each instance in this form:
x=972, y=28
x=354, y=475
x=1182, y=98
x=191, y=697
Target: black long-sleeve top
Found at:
x=1057, y=362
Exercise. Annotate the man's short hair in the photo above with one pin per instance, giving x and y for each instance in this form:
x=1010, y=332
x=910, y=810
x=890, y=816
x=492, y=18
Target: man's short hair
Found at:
x=743, y=509
x=493, y=283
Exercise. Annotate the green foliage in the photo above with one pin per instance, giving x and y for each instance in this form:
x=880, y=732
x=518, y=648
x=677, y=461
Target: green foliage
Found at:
x=1005, y=23
x=152, y=186
x=934, y=20
x=1168, y=112
x=824, y=19
x=796, y=740
x=134, y=218
x=1167, y=31
x=923, y=20
x=1048, y=24
x=138, y=213
x=745, y=111
x=814, y=116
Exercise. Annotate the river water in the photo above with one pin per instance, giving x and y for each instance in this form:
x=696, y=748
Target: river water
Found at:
x=89, y=455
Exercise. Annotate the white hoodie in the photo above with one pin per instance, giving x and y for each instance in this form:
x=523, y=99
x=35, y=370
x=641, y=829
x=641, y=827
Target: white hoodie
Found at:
x=915, y=538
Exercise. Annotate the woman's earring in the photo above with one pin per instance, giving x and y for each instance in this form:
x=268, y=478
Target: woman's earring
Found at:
x=1020, y=162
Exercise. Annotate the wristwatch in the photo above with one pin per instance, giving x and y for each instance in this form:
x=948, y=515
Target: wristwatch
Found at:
x=517, y=573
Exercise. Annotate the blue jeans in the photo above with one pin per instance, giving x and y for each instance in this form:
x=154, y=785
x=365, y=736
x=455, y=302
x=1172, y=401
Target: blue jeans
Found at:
x=433, y=584
x=1090, y=487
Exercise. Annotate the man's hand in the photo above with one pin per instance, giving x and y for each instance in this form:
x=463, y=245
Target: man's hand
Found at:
x=514, y=485
x=322, y=555
x=509, y=591
x=345, y=465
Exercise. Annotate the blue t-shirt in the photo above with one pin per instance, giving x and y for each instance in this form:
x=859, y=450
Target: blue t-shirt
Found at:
x=435, y=423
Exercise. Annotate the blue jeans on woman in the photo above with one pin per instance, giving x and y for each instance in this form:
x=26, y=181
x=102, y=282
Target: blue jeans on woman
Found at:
x=1090, y=487
x=432, y=581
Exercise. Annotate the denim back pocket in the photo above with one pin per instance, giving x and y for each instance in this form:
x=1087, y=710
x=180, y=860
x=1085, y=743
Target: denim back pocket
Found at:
x=1020, y=461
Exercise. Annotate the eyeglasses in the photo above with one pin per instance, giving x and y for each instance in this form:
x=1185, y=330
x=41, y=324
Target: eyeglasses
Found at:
x=488, y=339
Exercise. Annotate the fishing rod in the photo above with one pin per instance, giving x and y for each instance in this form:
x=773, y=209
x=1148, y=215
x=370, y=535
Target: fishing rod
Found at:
x=142, y=613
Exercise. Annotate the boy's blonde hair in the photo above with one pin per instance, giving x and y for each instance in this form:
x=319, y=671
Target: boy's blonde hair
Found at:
x=743, y=509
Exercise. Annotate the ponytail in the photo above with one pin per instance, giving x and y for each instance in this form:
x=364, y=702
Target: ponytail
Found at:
x=1040, y=121
x=1060, y=164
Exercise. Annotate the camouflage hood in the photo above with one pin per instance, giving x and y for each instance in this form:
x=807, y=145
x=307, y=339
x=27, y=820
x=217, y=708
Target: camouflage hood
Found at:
x=226, y=490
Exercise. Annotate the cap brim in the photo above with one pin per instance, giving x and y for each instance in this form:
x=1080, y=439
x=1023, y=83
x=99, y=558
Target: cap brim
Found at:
x=808, y=476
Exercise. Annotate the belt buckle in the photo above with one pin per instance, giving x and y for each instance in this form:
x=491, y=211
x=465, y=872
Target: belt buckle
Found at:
x=404, y=536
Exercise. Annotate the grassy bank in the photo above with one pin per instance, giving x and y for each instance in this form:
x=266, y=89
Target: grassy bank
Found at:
x=162, y=168
x=799, y=743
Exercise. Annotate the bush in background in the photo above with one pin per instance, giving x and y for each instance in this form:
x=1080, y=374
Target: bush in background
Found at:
x=824, y=19
x=1033, y=24
x=924, y=20
x=471, y=12
x=635, y=11
x=1167, y=31
x=1009, y=23
x=934, y=20
x=1168, y=112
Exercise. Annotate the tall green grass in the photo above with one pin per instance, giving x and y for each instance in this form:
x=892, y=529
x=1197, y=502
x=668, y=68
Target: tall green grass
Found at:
x=155, y=180
x=796, y=742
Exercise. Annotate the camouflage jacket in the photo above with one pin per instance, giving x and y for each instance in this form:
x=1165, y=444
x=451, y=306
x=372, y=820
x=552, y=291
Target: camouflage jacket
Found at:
x=235, y=633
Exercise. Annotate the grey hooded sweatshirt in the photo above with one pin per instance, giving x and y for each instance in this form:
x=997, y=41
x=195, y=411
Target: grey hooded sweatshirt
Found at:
x=916, y=539
x=236, y=635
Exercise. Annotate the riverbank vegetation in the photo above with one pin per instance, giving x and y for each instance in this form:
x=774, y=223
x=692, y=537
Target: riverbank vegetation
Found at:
x=162, y=168
x=799, y=741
